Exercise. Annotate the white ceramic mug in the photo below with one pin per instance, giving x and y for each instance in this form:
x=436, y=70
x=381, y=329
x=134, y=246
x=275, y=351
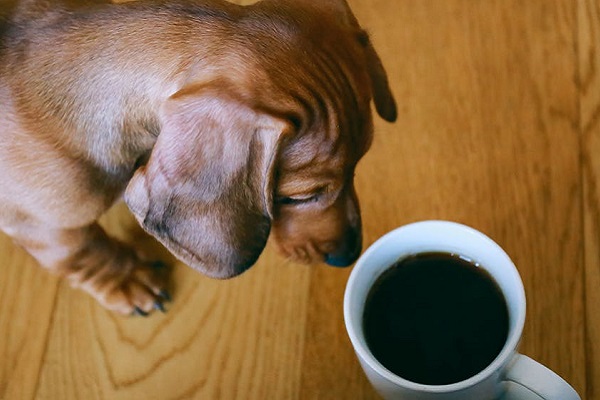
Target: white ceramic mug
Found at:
x=510, y=376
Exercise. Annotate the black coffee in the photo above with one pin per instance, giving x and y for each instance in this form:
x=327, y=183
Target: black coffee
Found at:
x=435, y=318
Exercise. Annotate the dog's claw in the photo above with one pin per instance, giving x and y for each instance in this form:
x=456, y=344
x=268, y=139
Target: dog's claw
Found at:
x=139, y=312
x=158, y=305
x=165, y=295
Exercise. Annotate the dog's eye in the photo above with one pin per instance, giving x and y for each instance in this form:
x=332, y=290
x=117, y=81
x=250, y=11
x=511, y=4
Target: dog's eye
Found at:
x=283, y=200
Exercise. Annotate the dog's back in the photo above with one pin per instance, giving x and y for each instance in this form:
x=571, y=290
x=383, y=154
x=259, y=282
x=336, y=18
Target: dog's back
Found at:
x=80, y=73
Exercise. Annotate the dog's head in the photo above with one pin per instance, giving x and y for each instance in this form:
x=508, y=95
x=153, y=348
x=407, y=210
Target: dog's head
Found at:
x=274, y=146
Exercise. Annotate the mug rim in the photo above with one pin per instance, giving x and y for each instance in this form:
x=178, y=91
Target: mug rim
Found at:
x=367, y=356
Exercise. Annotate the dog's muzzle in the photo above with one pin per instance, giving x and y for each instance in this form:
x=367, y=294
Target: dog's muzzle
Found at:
x=349, y=250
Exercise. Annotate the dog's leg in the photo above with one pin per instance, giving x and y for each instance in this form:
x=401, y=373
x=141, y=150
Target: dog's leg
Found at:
x=105, y=268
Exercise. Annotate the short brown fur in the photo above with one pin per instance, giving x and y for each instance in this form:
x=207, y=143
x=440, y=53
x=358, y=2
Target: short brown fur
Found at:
x=217, y=122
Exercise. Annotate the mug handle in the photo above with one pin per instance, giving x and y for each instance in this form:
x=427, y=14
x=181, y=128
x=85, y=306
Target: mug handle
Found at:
x=528, y=379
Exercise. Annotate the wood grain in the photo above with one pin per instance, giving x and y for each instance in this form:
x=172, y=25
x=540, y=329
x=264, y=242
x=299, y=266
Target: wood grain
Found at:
x=499, y=106
x=589, y=81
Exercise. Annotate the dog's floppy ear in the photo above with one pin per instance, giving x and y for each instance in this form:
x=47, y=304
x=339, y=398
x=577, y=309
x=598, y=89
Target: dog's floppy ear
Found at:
x=380, y=87
x=206, y=191
x=382, y=95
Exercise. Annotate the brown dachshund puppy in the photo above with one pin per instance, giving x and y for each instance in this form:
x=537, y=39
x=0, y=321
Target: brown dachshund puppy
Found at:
x=218, y=123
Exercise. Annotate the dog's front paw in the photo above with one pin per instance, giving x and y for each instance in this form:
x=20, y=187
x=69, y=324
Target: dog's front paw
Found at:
x=147, y=289
x=124, y=283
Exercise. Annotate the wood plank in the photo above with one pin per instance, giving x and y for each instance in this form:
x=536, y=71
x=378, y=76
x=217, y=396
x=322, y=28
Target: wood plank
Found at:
x=27, y=301
x=487, y=136
x=589, y=79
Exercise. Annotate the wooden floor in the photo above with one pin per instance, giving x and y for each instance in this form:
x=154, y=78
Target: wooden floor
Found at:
x=499, y=128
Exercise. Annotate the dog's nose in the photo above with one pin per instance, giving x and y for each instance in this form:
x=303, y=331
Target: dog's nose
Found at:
x=348, y=252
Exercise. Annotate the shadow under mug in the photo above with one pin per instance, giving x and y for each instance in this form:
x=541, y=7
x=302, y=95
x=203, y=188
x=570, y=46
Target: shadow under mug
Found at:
x=510, y=376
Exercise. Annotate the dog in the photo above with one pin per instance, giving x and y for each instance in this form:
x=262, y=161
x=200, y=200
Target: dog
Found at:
x=217, y=123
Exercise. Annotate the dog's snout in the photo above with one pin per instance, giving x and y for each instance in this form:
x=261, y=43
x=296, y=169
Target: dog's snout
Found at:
x=348, y=250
